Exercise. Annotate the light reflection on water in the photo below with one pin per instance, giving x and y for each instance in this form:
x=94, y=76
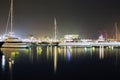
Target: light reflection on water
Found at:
x=53, y=55
x=3, y=62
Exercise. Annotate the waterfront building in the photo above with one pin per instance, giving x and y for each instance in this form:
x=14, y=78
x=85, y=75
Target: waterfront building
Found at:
x=71, y=38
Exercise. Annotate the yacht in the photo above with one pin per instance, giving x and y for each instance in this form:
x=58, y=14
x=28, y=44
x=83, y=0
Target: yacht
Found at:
x=14, y=42
x=11, y=41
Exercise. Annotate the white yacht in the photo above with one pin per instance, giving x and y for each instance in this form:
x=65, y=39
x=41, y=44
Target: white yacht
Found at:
x=10, y=40
x=14, y=42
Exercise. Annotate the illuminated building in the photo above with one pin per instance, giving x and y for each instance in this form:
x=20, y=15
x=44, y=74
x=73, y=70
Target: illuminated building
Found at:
x=71, y=38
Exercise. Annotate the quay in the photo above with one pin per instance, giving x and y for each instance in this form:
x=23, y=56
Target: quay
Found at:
x=90, y=44
x=77, y=44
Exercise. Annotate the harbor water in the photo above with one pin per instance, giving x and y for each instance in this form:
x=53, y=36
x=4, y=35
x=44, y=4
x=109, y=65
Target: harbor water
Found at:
x=60, y=63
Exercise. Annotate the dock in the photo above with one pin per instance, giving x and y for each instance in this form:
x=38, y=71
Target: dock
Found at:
x=91, y=44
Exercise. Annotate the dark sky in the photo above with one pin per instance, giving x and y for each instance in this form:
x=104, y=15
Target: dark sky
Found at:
x=88, y=18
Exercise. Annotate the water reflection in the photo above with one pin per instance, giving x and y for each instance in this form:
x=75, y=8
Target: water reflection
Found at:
x=8, y=58
x=49, y=52
x=55, y=58
x=3, y=62
x=11, y=63
x=52, y=52
x=101, y=52
x=38, y=52
x=68, y=54
x=52, y=55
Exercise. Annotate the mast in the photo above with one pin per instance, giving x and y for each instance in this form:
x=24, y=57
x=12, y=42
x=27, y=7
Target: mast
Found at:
x=8, y=20
x=116, y=31
x=55, y=24
x=11, y=11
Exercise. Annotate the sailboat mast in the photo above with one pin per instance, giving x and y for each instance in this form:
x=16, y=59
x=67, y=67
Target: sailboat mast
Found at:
x=116, y=32
x=11, y=15
x=55, y=24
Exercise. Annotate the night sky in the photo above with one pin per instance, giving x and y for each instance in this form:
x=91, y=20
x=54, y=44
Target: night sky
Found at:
x=88, y=18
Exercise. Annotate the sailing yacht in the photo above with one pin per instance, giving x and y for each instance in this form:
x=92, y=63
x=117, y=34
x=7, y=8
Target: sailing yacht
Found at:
x=11, y=41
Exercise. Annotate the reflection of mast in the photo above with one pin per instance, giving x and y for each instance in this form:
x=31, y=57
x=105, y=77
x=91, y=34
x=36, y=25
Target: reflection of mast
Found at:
x=55, y=59
x=116, y=58
x=101, y=52
x=117, y=51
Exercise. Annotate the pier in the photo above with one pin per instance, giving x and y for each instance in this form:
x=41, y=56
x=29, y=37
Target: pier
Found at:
x=78, y=44
x=91, y=44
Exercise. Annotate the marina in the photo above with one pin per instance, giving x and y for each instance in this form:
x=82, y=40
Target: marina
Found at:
x=10, y=40
x=59, y=40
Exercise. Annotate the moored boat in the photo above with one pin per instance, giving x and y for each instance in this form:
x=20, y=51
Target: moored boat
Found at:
x=14, y=42
x=10, y=40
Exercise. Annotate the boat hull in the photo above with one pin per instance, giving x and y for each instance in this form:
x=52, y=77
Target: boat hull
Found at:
x=1, y=43
x=15, y=45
